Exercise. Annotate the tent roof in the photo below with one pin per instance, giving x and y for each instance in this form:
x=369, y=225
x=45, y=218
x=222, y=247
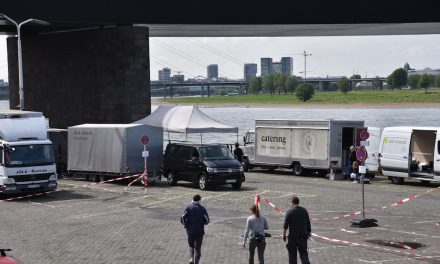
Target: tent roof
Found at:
x=185, y=119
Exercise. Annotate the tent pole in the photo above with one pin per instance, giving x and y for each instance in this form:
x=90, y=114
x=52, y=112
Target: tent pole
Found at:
x=237, y=136
x=186, y=136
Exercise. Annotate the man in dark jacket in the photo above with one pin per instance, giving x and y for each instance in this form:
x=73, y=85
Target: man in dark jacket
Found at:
x=298, y=222
x=238, y=152
x=194, y=219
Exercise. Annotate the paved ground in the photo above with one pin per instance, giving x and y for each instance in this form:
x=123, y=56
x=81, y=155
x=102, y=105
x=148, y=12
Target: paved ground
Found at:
x=90, y=225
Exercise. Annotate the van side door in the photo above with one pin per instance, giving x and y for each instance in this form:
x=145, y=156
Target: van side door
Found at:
x=395, y=154
x=437, y=156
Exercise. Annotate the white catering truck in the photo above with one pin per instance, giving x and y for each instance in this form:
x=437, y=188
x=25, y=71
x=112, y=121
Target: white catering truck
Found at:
x=410, y=152
x=27, y=160
x=318, y=145
x=102, y=151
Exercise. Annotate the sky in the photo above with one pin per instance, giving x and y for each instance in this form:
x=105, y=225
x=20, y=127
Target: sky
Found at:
x=368, y=56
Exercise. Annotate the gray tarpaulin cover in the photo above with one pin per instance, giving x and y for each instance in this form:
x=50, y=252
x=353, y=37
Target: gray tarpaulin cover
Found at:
x=185, y=119
x=114, y=148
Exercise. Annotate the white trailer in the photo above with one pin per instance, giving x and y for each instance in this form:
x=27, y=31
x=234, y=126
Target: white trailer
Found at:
x=318, y=145
x=102, y=151
x=27, y=160
x=410, y=152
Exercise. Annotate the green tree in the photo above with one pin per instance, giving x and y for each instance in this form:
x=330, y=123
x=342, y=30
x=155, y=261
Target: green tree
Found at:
x=343, y=85
x=291, y=83
x=268, y=84
x=413, y=81
x=377, y=84
x=399, y=78
x=304, y=92
x=390, y=82
x=355, y=76
x=280, y=82
x=437, y=81
x=424, y=82
x=255, y=85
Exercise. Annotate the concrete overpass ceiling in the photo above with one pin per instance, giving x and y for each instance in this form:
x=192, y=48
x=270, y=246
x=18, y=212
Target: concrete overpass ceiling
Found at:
x=231, y=18
x=291, y=30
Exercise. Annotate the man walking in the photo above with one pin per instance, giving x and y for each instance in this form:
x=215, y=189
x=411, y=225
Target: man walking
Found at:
x=238, y=152
x=194, y=219
x=298, y=222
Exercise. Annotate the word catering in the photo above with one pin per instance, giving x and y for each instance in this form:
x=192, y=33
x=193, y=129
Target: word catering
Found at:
x=274, y=139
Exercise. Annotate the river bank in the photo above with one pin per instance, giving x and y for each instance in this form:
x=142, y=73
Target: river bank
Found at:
x=405, y=105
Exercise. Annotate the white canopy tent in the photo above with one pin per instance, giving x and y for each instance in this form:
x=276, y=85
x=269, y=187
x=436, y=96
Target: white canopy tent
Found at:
x=185, y=119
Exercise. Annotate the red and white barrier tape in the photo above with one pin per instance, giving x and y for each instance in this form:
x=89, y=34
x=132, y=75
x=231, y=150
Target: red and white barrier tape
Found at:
x=92, y=185
x=349, y=243
x=399, y=202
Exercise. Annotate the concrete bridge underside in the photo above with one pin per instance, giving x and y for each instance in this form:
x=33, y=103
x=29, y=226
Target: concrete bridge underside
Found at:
x=91, y=64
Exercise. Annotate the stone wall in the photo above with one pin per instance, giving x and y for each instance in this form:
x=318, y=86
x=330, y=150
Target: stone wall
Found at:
x=90, y=76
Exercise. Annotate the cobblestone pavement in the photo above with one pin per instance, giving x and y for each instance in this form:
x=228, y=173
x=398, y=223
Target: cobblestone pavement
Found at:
x=93, y=225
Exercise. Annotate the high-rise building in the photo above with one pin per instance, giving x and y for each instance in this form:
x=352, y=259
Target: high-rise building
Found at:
x=250, y=71
x=165, y=75
x=266, y=66
x=212, y=71
x=178, y=78
x=287, y=65
x=276, y=67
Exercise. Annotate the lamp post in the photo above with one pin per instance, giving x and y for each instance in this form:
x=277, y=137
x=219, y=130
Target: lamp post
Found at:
x=20, y=57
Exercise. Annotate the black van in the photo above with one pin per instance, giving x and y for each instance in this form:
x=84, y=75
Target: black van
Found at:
x=203, y=164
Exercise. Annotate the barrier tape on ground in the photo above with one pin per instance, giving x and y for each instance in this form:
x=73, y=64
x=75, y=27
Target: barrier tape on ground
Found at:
x=132, y=182
x=92, y=185
x=349, y=243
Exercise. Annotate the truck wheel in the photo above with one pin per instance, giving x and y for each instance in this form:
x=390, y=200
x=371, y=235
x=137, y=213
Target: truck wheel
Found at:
x=397, y=180
x=203, y=182
x=297, y=169
x=171, y=179
x=93, y=178
x=236, y=185
x=102, y=178
x=246, y=165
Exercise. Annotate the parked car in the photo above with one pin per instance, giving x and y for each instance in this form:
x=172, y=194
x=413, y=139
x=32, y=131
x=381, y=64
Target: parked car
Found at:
x=5, y=259
x=203, y=164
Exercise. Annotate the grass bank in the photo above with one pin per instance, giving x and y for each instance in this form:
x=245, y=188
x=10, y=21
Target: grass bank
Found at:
x=357, y=97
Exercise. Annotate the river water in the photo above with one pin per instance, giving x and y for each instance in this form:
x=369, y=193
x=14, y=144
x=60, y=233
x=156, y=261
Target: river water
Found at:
x=245, y=118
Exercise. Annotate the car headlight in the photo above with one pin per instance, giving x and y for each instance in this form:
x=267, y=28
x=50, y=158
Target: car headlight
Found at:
x=9, y=181
x=241, y=168
x=53, y=177
x=209, y=169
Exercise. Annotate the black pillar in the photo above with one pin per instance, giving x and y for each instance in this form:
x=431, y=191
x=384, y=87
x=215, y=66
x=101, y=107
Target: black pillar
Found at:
x=90, y=76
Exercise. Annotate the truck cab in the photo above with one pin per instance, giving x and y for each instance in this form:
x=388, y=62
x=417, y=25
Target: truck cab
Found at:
x=26, y=155
x=248, y=149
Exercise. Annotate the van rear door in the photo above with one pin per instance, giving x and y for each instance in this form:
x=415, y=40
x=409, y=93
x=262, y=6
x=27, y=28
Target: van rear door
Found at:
x=437, y=157
x=394, y=152
x=373, y=149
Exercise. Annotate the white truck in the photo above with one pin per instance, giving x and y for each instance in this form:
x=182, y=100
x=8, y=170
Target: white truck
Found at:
x=410, y=152
x=318, y=145
x=99, y=152
x=27, y=160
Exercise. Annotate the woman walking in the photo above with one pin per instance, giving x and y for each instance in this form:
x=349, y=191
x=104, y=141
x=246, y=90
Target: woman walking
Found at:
x=255, y=226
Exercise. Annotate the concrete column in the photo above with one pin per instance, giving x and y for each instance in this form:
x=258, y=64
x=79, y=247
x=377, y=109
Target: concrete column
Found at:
x=90, y=76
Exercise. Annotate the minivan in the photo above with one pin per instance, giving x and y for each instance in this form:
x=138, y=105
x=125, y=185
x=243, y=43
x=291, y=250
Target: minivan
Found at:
x=203, y=164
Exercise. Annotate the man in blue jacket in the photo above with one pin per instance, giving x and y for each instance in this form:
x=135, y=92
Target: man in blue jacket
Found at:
x=194, y=219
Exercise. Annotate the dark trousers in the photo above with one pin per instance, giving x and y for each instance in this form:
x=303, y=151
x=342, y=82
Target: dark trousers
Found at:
x=300, y=244
x=195, y=247
x=261, y=246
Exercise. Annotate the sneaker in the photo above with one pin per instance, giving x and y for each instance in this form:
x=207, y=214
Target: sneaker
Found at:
x=191, y=261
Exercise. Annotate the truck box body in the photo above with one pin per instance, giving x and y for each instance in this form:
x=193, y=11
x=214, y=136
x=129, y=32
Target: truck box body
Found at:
x=113, y=149
x=410, y=152
x=27, y=161
x=314, y=144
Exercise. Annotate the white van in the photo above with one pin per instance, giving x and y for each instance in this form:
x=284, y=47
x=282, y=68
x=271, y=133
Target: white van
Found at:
x=410, y=152
x=372, y=160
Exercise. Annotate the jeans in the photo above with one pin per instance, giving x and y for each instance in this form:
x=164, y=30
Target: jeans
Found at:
x=300, y=244
x=261, y=246
x=195, y=247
